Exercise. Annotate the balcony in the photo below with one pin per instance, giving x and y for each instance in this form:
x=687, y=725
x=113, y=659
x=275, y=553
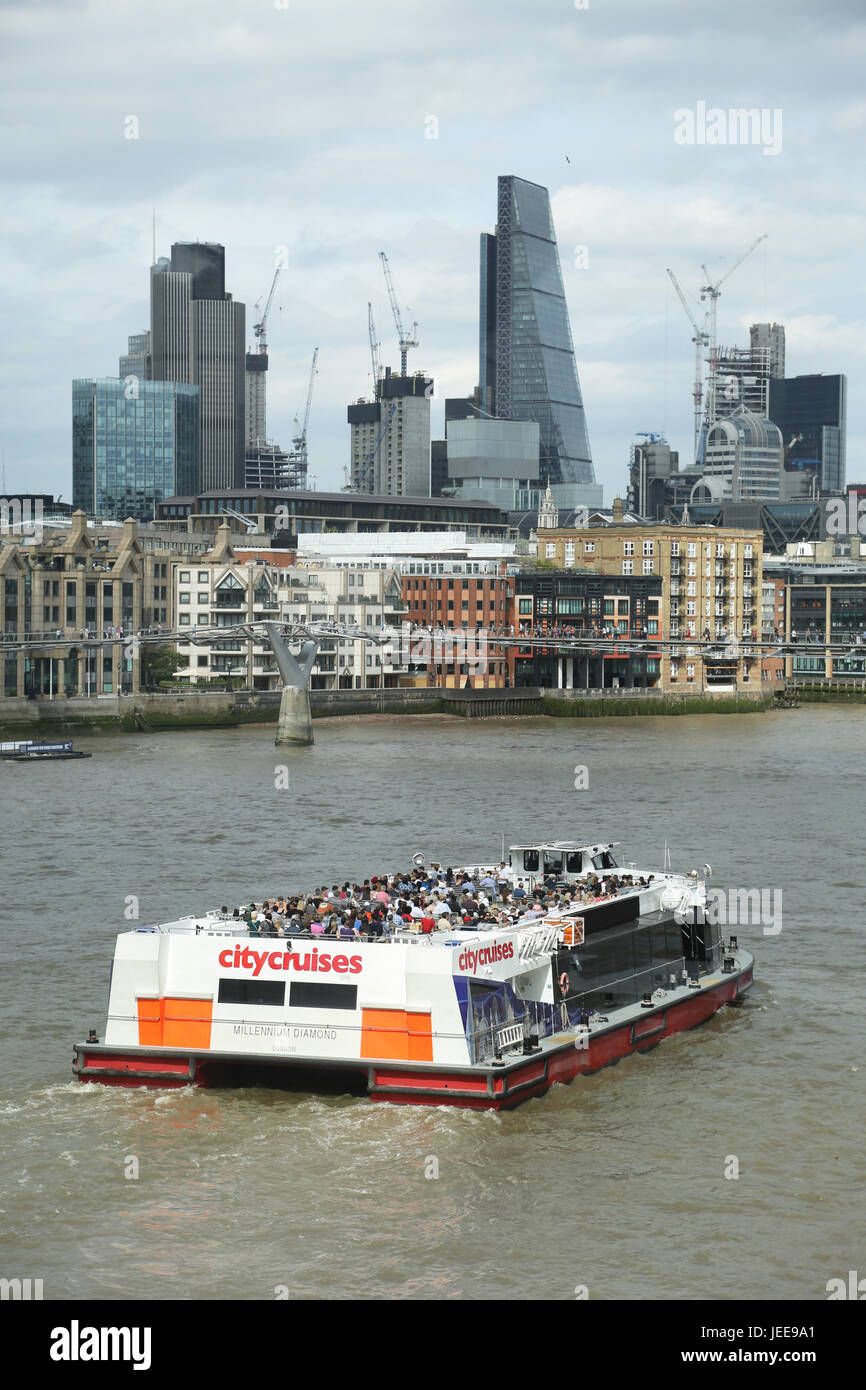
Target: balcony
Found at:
x=230, y=601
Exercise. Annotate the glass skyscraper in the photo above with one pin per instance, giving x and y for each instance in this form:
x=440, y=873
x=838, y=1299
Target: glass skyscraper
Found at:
x=133, y=445
x=197, y=334
x=811, y=413
x=527, y=364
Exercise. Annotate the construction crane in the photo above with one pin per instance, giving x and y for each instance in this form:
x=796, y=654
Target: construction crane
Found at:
x=405, y=342
x=260, y=328
x=701, y=340
x=374, y=347
x=298, y=456
x=711, y=292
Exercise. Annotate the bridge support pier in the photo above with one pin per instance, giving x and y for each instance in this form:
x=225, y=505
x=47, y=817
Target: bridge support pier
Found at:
x=295, y=724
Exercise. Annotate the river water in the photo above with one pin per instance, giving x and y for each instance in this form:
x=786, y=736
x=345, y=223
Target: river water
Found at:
x=616, y=1183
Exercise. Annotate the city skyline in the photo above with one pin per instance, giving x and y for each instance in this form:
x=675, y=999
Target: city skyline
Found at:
x=401, y=150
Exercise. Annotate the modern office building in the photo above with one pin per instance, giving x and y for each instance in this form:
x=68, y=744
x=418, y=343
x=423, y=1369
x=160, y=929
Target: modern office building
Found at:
x=811, y=413
x=781, y=523
x=136, y=361
x=651, y=465
x=197, y=334
x=289, y=515
x=390, y=438
x=527, y=367
x=743, y=460
x=133, y=444
x=493, y=460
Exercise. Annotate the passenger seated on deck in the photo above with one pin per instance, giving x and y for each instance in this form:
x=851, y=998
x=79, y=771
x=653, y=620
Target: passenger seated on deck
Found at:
x=253, y=927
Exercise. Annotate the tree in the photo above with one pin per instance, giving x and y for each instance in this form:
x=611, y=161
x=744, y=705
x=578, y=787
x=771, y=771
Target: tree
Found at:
x=158, y=664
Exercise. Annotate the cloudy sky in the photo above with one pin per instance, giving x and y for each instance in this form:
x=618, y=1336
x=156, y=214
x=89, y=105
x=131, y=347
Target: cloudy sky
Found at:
x=307, y=124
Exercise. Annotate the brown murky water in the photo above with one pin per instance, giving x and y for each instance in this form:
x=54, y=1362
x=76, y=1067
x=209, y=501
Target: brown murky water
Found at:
x=616, y=1182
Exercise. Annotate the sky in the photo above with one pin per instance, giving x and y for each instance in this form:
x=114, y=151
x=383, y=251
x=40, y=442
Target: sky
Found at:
x=338, y=130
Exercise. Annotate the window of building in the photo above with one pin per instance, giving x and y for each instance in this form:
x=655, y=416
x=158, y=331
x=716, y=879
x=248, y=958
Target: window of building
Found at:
x=692, y=548
x=690, y=670
x=183, y=598
x=202, y=576
x=690, y=609
x=628, y=547
x=184, y=576
x=692, y=568
x=628, y=566
x=184, y=620
x=675, y=547
x=202, y=598
x=524, y=607
x=648, y=566
x=747, y=551
x=691, y=588
x=649, y=547
x=589, y=547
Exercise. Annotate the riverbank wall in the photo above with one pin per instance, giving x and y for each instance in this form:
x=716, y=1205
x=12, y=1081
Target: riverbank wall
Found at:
x=152, y=713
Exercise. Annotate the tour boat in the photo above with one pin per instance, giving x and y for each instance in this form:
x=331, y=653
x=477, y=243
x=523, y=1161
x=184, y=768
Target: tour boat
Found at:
x=482, y=1018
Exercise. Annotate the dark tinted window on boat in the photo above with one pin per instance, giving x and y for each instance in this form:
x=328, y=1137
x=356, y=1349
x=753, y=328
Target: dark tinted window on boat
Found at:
x=553, y=862
x=252, y=992
x=320, y=996
x=530, y=860
x=573, y=863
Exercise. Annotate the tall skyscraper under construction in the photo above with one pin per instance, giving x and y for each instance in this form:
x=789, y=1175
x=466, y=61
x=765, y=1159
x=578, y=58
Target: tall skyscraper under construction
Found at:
x=197, y=335
x=527, y=364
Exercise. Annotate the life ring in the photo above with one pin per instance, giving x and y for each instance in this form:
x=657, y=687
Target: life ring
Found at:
x=563, y=984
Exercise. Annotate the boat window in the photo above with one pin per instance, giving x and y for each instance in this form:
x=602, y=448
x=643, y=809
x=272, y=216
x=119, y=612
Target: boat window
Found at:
x=530, y=861
x=552, y=862
x=573, y=863
x=318, y=996
x=266, y=992
x=605, y=860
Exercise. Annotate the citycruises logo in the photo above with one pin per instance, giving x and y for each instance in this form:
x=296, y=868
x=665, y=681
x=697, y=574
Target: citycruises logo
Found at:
x=485, y=955
x=245, y=958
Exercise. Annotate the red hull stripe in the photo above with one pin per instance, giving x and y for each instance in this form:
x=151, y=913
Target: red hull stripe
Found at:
x=493, y=1089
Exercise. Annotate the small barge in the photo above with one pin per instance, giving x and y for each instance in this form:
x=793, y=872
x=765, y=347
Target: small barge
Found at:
x=25, y=751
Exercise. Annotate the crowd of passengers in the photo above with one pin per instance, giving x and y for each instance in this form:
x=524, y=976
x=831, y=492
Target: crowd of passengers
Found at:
x=426, y=900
